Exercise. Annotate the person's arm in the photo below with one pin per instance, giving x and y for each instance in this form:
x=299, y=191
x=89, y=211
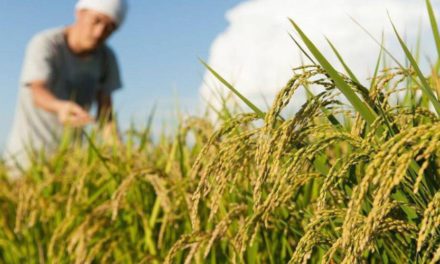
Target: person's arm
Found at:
x=38, y=68
x=68, y=113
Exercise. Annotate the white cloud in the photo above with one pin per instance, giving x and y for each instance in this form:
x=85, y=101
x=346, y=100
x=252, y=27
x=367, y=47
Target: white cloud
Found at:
x=256, y=54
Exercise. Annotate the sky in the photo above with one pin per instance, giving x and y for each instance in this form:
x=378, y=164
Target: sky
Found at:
x=246, y=41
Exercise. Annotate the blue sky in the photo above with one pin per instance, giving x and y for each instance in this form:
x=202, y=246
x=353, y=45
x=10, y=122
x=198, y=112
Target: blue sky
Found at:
x=158, y=49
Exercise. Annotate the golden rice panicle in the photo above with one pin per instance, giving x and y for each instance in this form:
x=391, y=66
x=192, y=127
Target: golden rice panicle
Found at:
x=202, y=128
x=268, y=138
x=429, y=146
x=289, y=133
x=372, y=229
x=222, y=227
x=232, y=165
x=337, y=172
x=246, y=232
x=120, y=193
x=56, y=240
x=378, y=167
x=179, y=245
x=387, y=170
x=314, y=235
x=436, y=258
x=78, y=241
x=286, y=176
x=394, y=225
x=212, y=164
x=281, y=181
x=331, y=252
x=192, y=241
x=430, y=222
x=160, y=187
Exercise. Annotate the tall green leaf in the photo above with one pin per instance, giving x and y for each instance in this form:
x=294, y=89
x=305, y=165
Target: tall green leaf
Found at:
x=426, y=88
x=235, y=91
x=302, y=49
x=338, y=55
x=364, y=109
x=434, y=26
x=376, y=68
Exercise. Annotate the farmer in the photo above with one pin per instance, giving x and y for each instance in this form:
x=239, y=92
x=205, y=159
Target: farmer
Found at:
x=65, y=70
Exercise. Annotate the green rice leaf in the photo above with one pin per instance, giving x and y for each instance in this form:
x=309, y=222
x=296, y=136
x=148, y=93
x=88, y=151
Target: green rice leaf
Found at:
x=364, y=110
x=426, y=89
x=434, y=26
x=235, y=91
x=338, y=55
x=302, y=49
x=376, y=68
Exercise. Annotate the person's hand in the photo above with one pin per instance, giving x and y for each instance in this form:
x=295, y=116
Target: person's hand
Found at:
x=71, y=114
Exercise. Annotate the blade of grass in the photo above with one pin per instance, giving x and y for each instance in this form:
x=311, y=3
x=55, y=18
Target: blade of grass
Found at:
x=392, y=129
x=364, y=110
x=427, y=90
x=302, y=49
x=347, y=69
x=98, y=153
x=147, y=132
x=235, y=91
x=376, y=68
x=384, y=49
x=434, y=26
x=327, y=113
x=378, y=43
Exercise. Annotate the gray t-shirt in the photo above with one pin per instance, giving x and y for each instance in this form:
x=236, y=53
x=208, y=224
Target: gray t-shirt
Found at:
x=68, y=77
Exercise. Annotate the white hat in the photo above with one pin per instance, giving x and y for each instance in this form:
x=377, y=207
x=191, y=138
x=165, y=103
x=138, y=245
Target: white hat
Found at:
x=115, y=9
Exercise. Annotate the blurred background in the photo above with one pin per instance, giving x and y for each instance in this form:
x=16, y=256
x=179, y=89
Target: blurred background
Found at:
x=246, y=41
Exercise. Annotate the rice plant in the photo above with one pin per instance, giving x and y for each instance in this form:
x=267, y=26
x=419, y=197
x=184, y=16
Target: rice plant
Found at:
x=352, y=177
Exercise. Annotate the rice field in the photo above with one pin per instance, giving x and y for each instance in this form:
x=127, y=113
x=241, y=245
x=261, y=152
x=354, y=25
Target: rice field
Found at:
x=352, y=177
